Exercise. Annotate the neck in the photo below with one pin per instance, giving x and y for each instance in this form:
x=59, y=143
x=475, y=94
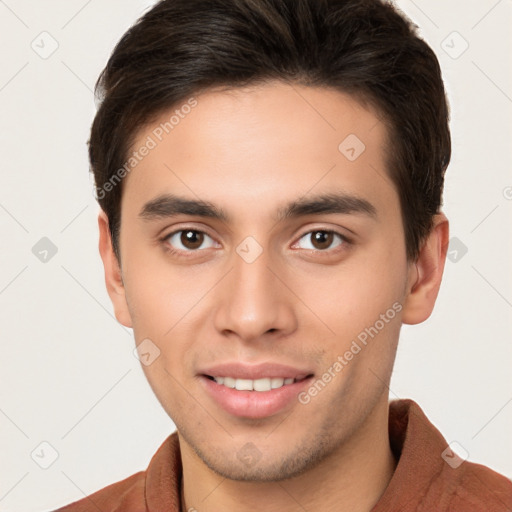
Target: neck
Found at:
x=352, y=478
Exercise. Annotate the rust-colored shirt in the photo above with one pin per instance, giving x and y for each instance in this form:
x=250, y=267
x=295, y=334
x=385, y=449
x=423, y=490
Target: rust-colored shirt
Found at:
x=429, y=477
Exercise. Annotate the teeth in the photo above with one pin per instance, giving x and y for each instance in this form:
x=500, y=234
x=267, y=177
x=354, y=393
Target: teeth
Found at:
x=229, y=382
x=276, y=383
x=262, y=385
x=265, y=384
x=244, y=385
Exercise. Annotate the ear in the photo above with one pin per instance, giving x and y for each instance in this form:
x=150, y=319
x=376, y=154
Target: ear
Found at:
x=113, y=275
x=426, y=272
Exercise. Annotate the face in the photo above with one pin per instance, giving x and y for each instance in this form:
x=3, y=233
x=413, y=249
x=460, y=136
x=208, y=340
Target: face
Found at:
x=282, y=272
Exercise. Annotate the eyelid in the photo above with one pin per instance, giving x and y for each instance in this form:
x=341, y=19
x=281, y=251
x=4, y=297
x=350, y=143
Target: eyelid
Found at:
x=164, y=240
x=346, y=240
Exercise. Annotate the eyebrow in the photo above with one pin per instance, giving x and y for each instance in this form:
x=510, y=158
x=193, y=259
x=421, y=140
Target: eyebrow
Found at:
x=170, y=205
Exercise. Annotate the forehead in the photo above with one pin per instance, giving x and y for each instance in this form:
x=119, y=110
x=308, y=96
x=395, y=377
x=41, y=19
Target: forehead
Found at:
x=259, y=143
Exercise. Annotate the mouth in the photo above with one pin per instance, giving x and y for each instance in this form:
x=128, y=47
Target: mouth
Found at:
x=254, y=392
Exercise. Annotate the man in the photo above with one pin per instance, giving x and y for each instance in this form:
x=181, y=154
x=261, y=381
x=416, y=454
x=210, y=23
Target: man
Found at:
x=270, y=178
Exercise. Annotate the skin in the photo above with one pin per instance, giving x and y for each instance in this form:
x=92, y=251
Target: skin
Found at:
x=249, y=151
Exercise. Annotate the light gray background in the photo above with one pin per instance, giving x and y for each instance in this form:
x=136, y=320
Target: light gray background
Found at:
x=69, y=376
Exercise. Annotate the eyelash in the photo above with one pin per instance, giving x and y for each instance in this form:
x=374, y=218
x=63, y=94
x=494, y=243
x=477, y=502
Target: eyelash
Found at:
x=190, y=253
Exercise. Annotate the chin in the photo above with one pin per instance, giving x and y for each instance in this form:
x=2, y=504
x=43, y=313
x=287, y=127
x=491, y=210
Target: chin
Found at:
x=249, y=463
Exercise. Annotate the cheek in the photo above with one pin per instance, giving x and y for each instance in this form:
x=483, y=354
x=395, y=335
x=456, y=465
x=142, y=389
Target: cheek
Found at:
x=158, y=295
x=352, y=295
x=167, y=386
x=360, y=301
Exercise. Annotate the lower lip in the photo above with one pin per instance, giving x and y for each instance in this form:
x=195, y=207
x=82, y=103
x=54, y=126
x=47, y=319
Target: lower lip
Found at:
x=253, y=404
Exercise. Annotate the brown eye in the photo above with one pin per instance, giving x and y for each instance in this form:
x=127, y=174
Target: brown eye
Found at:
x=188, y=240
x=321, y=239
x=191, y=239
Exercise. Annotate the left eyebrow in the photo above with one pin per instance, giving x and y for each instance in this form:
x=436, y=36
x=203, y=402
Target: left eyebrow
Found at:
x=169, y=205
x=340, y=203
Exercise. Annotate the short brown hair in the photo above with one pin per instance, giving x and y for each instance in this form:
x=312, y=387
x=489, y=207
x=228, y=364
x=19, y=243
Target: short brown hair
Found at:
x=362, y=47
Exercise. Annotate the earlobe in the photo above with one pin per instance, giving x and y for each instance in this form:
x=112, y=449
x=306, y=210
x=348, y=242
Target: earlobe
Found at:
x=113, y=275
x=426, y=273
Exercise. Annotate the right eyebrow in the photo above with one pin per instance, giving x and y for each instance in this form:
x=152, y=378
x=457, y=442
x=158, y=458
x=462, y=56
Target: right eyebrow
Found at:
x=170, y=205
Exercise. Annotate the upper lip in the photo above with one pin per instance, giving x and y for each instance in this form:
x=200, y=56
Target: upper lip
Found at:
x=255, y=371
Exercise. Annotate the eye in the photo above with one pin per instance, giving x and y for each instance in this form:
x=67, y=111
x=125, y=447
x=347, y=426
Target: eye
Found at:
x=188, y=240
x=322, y=239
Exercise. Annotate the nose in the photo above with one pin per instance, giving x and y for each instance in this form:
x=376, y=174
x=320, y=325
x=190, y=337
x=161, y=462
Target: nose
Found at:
x=254, y=301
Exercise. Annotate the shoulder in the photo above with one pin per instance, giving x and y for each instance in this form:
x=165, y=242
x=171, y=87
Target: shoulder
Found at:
x=430, y=476
x=473, y=486
x=156, y=488
x=126, y=495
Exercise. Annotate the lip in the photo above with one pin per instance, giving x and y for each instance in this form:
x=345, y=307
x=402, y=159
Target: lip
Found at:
x=254, y=404
x=255, y=371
